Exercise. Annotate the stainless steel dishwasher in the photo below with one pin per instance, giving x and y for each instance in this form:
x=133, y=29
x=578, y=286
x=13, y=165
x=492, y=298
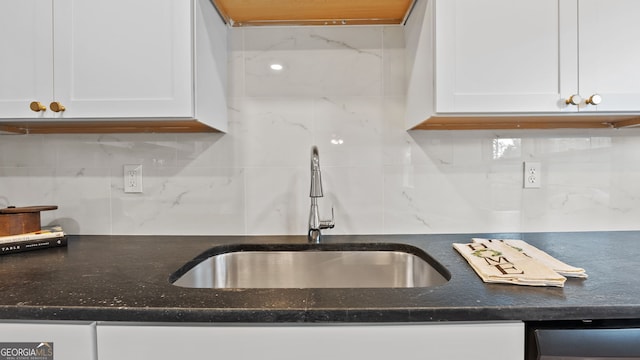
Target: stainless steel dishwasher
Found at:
x=582, y=340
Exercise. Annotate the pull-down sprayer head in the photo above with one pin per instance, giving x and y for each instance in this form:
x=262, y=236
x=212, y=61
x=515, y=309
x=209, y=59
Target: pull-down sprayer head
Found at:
x=316, y=178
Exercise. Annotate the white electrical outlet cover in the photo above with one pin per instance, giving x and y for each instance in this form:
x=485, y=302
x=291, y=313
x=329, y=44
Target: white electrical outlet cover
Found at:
x=531, y=175
x=132, y=178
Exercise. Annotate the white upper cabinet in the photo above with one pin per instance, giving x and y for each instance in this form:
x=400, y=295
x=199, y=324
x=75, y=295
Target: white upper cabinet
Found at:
x=26, y=63
x=609, y=54
x=501, y=56
x=95, y=60
x=123, y=58
x=522, y=57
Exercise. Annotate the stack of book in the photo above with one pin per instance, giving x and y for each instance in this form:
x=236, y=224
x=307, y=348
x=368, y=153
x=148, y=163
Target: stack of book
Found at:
x=47, y=237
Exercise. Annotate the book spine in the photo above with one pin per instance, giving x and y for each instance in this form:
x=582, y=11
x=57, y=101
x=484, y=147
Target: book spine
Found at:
x=31, y=236
x=20, y=246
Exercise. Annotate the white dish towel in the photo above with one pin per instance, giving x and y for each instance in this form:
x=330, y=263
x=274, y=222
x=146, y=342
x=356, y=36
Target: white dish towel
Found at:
x=505, y=261
x=539, y=255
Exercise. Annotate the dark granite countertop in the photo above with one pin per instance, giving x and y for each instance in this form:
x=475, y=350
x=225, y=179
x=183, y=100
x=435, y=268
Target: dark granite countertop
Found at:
x=125, y=278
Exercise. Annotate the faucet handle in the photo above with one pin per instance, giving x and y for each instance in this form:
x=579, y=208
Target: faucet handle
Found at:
x=328, y=224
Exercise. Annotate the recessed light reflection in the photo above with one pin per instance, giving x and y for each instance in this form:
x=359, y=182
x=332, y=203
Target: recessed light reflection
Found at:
x=337, y=141
x=276, y=67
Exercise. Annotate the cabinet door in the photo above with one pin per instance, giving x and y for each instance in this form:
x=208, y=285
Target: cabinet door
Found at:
x=123, y=58
x=505, y=55
x=610, y=54
x=68, y=341
x=479, y=341
x=26, y=62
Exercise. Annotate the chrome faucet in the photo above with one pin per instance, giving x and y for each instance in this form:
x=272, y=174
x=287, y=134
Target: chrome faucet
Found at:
x=315, y=224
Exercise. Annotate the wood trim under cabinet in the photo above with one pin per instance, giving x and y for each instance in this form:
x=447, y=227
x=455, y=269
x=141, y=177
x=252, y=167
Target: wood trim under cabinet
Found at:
x=105, y=127
x=582, y=121
x=325, y=12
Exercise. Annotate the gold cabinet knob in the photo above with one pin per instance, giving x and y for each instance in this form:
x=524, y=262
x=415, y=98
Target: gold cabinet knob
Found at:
x=574, y=99
x=37, y=106
x=595, y=99
x=56, y=107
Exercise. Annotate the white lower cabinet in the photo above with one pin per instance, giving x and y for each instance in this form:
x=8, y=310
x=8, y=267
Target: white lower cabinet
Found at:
x=450, y=341
x=48, y=340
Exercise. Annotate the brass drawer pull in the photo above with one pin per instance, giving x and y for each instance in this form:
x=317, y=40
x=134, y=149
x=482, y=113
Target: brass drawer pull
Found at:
x=56, y=107
x=37, y=106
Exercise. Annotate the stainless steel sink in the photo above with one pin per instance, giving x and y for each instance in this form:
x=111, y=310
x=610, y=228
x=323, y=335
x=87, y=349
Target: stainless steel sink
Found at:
x=312, y=266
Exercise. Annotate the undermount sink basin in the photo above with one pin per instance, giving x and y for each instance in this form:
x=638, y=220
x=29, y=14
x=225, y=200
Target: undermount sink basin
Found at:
x=311, y=266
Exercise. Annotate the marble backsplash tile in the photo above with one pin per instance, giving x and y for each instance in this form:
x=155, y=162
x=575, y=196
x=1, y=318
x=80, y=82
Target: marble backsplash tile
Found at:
x=342, y=89
x=317, y=61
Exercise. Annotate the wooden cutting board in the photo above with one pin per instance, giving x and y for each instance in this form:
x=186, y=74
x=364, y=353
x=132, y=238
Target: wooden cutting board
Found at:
x=20, y=220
